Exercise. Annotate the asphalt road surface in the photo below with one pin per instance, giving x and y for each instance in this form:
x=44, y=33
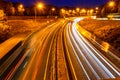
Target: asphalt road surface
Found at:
x=58, y=51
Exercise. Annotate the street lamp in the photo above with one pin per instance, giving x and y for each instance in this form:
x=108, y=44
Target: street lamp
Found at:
x=38, y=6
x=70, y=11
x=111, y=4
x=62, y=12
x=97, y=8
x=77, y=9
x=52, y=13
x=21, y=8
x=83, y=11
x=91, y=11
x=53, y=9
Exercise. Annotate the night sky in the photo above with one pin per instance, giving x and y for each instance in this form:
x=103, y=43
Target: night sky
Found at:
x=60, y=3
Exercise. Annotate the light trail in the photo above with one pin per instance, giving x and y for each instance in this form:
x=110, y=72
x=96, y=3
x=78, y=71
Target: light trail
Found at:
x=85, y=44
x=102, y=57
x=97, y=52
x=70, y=35
x=59, y=51
x=94, y=57
x=68, y=25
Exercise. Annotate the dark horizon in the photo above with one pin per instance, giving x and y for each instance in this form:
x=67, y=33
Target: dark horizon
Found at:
x=61, y=3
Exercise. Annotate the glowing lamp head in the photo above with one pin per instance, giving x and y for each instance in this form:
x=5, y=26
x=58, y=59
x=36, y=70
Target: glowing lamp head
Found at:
x=77, y=9
x=21, y=6
x=96, y=8
x=63, y=10
x=83, y=11
x=39, y=5
x=70, y=10
x=53, y=9
x=111, y=3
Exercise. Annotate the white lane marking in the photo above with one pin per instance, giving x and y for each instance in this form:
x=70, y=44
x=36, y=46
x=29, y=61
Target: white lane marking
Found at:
x=77, y=56
x=98, y=53
x=25, y=64
x=109, y=73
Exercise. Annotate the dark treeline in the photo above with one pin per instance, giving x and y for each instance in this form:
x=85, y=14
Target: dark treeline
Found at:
x=106, y=9
x=11, y=8
x=15, y=9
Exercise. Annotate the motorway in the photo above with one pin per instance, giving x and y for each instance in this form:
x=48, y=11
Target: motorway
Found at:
x=58, y=52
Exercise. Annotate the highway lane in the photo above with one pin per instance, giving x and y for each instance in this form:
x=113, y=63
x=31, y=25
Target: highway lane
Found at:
x=93, y=63
x=25, y=49
x=59, y=51
x=42, y=58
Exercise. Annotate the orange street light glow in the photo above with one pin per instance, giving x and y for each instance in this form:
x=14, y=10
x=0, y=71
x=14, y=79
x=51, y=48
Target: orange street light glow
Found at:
x=73, y=11
x=40, y=5
x=83, y=11
x=77, y=9
x=96, y=8
x=53, y=9
x=91, y=11
x=111, y=3
x=21, y=6
x=62, y=10
x=70, y=10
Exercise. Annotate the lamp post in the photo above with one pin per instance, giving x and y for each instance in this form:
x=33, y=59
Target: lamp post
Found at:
x=53, y=9
x=96, y=9
x=62, y=12
x=77, y=9
x=111, y=4
x=83, y=11
x=21, y=6
x=38, y=6
x=21, y=9
x=91, y=11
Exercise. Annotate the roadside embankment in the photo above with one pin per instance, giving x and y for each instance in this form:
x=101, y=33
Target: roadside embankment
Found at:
x=106, y=30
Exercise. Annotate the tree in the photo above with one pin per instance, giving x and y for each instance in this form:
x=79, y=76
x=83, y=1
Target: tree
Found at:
x=9, y=9
x=1, y=4
x=118, y=6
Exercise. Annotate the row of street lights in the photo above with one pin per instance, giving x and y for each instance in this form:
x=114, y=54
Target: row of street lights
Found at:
x=40, y=6
x=78, y=11
x=111, y=4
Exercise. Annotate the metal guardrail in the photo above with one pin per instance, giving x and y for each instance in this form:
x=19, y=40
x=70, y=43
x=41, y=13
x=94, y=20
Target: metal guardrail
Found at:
x=10, y=52
x=4, y=70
